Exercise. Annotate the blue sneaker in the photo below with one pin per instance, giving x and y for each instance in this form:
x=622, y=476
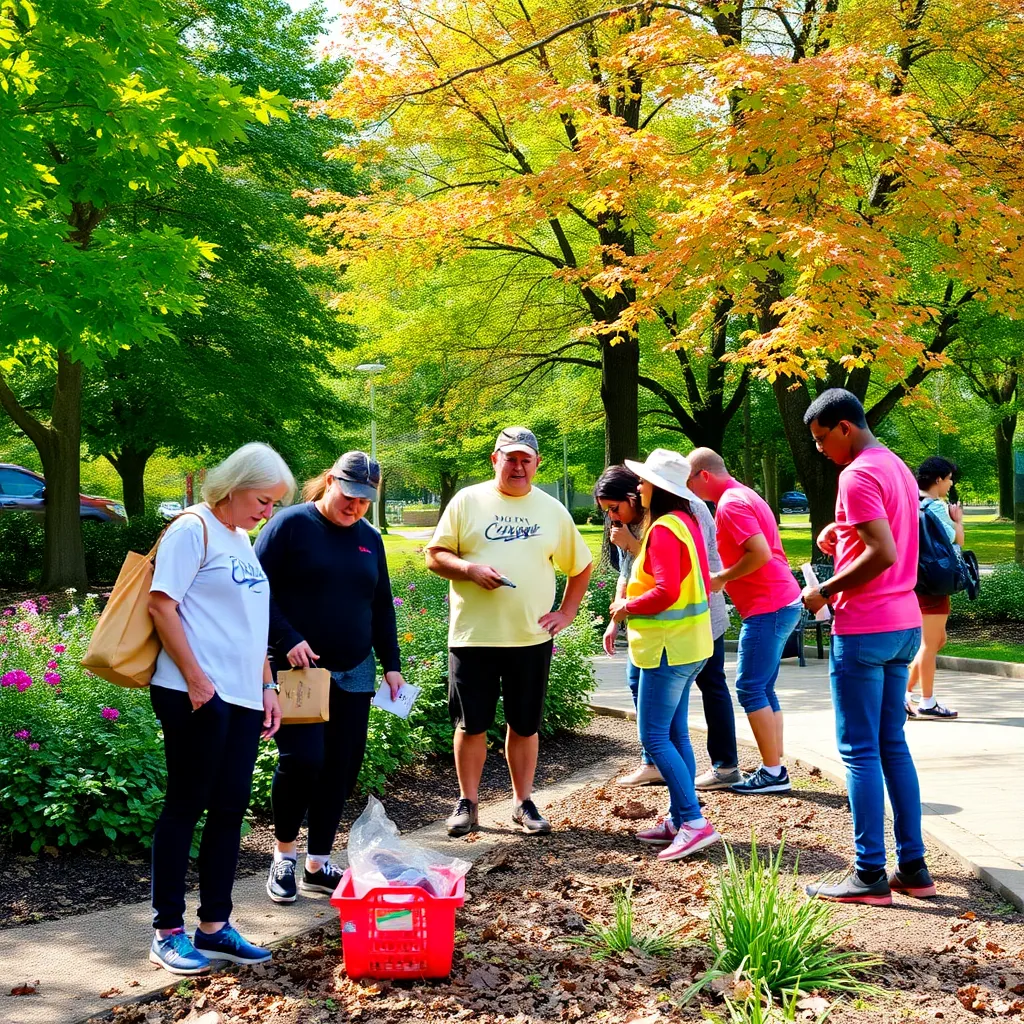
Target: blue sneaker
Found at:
x=176, y=954
x=762, y=781
x=228, y=945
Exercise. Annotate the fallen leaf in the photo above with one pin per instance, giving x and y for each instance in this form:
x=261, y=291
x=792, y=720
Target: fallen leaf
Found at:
x=816, y=1004
x=632, y=810
x=993, y=947
x=110, y=993
x=27, y=989
x=968, y=915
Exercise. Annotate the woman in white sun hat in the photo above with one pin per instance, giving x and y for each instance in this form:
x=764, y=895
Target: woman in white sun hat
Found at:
x=670, y=639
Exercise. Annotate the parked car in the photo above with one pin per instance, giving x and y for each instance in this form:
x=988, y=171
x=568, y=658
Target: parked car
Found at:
x=22, y=490
x=794, y=502
x=169, y=509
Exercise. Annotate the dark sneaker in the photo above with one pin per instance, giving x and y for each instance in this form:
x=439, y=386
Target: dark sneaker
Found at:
x=852, y=890
x=529, y=819
x=463, y=819
x=718, y=778
x=322, y=882
x=176, y=954
x=228, y=945
x=909, y=708
x=281, y=881
x=763, y=781
x=937, y=712
x=918, y=884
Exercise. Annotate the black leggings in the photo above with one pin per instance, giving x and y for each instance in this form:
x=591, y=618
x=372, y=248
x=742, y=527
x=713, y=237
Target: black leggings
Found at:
x=210, y=757
x=317, y=768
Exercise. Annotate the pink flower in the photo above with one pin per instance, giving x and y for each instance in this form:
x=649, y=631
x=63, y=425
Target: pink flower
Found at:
x=51, y=664
x=398, y=602
x=24, y=627
x=111, y=713
x=423, y=611
x=53, y=678
x=601, y=584
x=412, y=586
x=8, y=611
x=29, y=606
x=59, y=648
x=17, y=677
x=555, y=650
x=33, y=746
x=23, y=734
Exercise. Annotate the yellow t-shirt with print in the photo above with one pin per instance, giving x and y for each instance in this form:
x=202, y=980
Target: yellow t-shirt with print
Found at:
x=525, y=539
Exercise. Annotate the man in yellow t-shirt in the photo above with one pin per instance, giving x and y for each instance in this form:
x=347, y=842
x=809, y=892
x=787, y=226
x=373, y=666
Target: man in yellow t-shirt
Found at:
x=499, y=543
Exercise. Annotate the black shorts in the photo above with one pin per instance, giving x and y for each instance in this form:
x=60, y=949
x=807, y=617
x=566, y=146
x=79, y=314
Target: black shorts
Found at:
x=477, y=675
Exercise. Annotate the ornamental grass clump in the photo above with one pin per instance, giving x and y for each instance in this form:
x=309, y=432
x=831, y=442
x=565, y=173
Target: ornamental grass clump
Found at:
x=623, y=935
x=764, y=928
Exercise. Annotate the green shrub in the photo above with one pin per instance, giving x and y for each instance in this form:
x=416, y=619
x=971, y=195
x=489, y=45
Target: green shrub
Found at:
x=584, y=514
x=1001, y=598
x=106, y=544
x=21, y=550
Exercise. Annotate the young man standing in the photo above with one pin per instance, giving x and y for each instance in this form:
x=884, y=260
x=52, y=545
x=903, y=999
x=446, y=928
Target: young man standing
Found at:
x=876, y=633
x=499, y=543
x=761, y=585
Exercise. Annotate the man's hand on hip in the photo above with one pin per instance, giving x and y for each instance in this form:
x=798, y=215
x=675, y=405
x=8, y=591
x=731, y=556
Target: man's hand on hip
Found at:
x=555, y=622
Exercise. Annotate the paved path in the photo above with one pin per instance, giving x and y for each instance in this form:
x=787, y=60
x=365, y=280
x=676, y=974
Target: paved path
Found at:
x=970, y=769
x=77, y=958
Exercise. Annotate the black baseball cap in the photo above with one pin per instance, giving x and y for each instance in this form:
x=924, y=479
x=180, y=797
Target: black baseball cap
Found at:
x=517, y=439
x=358, y=475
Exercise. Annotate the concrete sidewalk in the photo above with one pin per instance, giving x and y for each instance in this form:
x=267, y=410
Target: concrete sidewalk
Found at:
x=76, y=959
x=970, y=769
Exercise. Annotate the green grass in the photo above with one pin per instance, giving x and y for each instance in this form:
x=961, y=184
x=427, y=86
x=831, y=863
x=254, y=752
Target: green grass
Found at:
x=622, y=935
x=992, y=651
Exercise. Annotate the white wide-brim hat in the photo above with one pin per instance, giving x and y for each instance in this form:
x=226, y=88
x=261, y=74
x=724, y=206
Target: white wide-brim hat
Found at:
x=665, y=469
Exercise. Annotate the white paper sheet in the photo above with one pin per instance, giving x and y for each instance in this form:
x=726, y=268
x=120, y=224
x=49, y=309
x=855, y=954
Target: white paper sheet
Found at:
x=402, y=704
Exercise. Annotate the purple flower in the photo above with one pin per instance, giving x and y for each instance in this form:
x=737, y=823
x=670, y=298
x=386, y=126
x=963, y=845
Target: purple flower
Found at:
x=53, y=678
x=555, y=650
x=111, y=713
x=8, y=611
x=17, y=677
x=601, y=584
x=399, y=602
x=59, y=648
x=412, y=586
x=33, y=746
x=51, y=664
x=29, y=606
x=23, y=734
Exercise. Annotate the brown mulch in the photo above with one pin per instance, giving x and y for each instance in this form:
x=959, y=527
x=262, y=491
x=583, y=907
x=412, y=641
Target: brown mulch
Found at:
x=43, y=887
x=954, y=958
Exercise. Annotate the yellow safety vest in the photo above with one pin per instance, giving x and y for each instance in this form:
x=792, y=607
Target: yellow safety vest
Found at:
x=683, y=631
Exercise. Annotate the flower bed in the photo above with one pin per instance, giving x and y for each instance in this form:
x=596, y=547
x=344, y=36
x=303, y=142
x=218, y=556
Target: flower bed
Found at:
x=81, y=760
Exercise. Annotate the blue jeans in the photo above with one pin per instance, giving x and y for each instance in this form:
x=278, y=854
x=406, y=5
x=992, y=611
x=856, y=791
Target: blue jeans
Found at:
x=869, y=680
x=718, y=710
x=662, y=705
x=762, y=638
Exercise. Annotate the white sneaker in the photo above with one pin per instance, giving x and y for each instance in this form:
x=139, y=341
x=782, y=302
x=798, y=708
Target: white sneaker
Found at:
x=645, y=775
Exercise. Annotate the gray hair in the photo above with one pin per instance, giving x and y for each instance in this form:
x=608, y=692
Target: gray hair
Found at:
x=252, y=466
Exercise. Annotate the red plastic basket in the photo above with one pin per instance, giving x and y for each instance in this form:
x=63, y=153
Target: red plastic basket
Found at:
x=397, y=932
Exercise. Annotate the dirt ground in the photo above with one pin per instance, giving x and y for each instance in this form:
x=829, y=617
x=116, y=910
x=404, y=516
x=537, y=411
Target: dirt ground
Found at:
x=955, y=958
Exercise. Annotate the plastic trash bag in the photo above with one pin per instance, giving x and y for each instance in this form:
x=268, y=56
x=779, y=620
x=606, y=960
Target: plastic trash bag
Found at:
x=379, y=857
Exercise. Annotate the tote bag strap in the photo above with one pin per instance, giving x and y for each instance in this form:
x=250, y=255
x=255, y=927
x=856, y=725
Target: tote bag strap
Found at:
x=206, y=536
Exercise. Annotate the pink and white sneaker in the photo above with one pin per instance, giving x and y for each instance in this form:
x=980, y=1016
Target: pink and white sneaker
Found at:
x=661, y=835
x=690, y=840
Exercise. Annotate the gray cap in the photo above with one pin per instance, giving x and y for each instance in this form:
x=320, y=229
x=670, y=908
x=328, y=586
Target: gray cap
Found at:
x=358, y=475
x=517, y=439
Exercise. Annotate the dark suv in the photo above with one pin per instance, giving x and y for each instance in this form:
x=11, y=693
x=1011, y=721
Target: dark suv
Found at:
x=22, y=490
x=794, y=501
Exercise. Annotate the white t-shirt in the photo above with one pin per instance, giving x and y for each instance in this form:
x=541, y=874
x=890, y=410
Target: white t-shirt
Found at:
x=224, y=604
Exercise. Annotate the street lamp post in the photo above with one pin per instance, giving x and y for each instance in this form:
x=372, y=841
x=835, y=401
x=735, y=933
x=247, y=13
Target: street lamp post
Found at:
x=373, y=369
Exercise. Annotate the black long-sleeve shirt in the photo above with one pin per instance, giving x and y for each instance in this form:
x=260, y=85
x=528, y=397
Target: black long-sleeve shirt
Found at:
x=329, y=586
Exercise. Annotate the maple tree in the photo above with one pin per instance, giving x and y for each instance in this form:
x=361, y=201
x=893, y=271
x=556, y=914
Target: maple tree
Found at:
x=841, y=182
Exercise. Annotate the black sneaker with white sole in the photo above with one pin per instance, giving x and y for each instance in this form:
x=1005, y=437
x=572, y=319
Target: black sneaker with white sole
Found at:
x=529, y=819
x=762, y=781
x=937, y=713
x=322, y=882
x=281, y=881
x=463, y=819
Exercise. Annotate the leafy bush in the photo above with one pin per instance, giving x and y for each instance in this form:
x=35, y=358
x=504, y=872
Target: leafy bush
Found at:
x=765, y=930
x=1001, y=598
x=584, y=515
x=81, y=760
x=21, y=550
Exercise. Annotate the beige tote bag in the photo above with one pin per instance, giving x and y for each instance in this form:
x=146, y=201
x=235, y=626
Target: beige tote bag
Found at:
x=305, y=695
x=124, y=645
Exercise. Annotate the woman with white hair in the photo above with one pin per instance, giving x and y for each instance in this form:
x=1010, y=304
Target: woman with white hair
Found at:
x=214, y=696
x=331, y=607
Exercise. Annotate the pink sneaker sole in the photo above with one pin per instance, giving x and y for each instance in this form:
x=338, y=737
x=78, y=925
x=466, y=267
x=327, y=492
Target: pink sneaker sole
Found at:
x=920, y=893
x=685, y=851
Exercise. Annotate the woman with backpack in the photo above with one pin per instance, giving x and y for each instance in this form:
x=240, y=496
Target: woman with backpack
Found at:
x=935, y=478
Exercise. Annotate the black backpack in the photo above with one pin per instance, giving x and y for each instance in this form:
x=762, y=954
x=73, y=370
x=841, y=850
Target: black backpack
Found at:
x=942, y=569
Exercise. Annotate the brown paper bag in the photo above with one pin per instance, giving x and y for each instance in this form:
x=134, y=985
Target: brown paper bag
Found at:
x=305, y=695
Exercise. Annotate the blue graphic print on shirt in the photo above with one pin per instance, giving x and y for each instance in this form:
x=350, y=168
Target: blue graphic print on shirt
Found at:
x=506, y=528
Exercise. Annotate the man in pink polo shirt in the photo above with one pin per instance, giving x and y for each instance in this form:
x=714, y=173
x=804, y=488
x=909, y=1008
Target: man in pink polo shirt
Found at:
x=761, y=585
x=876, y=633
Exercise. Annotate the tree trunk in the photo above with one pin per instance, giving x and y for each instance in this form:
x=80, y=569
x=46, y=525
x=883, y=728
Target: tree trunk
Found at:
x=620, y=372
x=748, y=448
x=130, y=464
x=1005, y=429
x=449, y=482
x=61, y=452
x=770, y=468
x=382, y=500
x=817, y=473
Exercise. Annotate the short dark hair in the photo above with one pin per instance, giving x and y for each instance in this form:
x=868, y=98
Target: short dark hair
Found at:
x=664, y=503
x=833, y=406
x=933, y=469
x=617, y=483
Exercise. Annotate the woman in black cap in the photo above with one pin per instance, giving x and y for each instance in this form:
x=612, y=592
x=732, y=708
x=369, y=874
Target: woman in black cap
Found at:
x=330, y=607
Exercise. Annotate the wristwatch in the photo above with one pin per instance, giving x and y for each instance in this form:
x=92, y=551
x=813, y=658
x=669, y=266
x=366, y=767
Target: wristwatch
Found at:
x=823, y=589
x=276, y=687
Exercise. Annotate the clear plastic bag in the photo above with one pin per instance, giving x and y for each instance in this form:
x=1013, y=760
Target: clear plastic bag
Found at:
x=379, y=857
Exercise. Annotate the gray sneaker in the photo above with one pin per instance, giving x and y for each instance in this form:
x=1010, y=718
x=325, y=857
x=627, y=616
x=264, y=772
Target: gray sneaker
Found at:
x=463, y=819
x=718, y=778
x=529, y=819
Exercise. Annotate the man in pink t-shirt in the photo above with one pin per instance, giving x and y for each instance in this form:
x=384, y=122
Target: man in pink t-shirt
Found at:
x=876, y=634
x=757, y=577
